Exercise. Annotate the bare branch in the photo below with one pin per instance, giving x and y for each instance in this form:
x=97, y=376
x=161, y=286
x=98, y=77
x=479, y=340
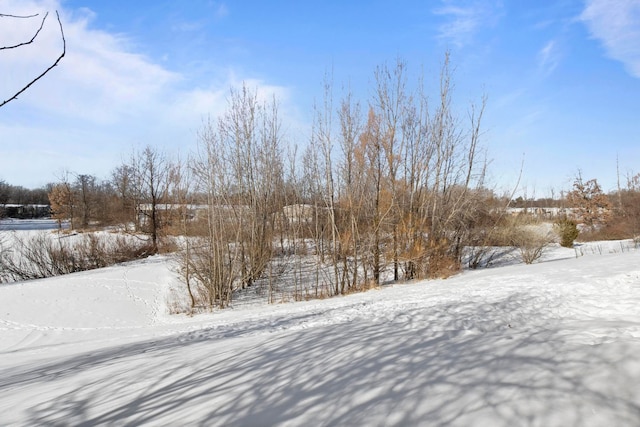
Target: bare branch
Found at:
x=4, y=15
x=32, y=38
x=64, y=51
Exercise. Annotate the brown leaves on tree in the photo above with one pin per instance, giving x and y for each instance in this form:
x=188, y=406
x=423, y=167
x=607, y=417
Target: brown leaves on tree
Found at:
x=592, y=205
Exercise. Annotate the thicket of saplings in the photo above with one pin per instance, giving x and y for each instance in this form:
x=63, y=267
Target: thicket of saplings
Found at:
x=389, y=189
x=46, y=255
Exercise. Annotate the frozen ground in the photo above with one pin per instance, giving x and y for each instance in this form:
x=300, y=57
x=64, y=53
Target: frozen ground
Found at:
x=551, y=344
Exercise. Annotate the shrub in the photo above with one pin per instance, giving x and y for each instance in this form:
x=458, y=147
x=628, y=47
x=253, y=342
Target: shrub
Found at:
x=442, y=263
x=567, y=230
x=531, y=244
x=45, y=255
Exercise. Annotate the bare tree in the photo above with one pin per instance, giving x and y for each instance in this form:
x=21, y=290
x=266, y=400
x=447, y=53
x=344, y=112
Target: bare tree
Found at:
x=182, y=185
x=239, y=167
x=86, y=189
x=251, y=130
x=322, y=140
x=212, y=263
x=30, y=41
x=409, y=186
x=390, y=104
x=151, y=183
x=456, y=175
x=352, y=197
x=122, y=181
x=400, y=188
x=378, y=204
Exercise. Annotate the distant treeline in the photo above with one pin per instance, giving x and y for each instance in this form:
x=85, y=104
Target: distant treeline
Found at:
x=18, y=195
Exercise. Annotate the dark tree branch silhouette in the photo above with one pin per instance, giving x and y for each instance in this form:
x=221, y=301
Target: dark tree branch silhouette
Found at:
x=32, y=38
x=4, y=15
x=57, y=61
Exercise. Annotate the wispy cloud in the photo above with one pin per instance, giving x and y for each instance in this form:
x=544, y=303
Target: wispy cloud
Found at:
x=617, y=26
x=220, y=10
x=508, y=99
x=217, y=12
x=463, y=19
x=187, y=26
x=548, y=57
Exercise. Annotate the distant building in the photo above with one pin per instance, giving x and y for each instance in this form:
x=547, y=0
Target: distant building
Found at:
x=300, y=213
x=543, y=212
x=27, y=211
x=167, y=212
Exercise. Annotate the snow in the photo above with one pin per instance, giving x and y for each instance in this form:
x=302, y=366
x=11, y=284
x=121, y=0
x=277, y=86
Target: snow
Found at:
x=555, y=343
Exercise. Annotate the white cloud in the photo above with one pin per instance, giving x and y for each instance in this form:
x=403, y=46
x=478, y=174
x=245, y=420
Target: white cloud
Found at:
x=548, y=57
x=464, y=19
x=102, y=98
x=102, y=79
x=617, y=26
x=212, y=100
x=98, y=80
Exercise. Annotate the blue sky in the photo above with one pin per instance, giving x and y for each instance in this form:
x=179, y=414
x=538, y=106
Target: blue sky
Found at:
x=562, y=77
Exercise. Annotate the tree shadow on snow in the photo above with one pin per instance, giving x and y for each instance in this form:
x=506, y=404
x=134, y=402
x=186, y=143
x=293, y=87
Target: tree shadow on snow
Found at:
x=461, y=363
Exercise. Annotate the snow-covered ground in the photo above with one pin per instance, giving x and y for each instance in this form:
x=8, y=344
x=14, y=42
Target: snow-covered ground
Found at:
x=555, y=343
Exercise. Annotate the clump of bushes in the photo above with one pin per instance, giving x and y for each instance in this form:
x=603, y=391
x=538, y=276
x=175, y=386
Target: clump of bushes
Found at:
x=567, y=230
x=530, y=243
x=46, y=255
x=529, y=236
